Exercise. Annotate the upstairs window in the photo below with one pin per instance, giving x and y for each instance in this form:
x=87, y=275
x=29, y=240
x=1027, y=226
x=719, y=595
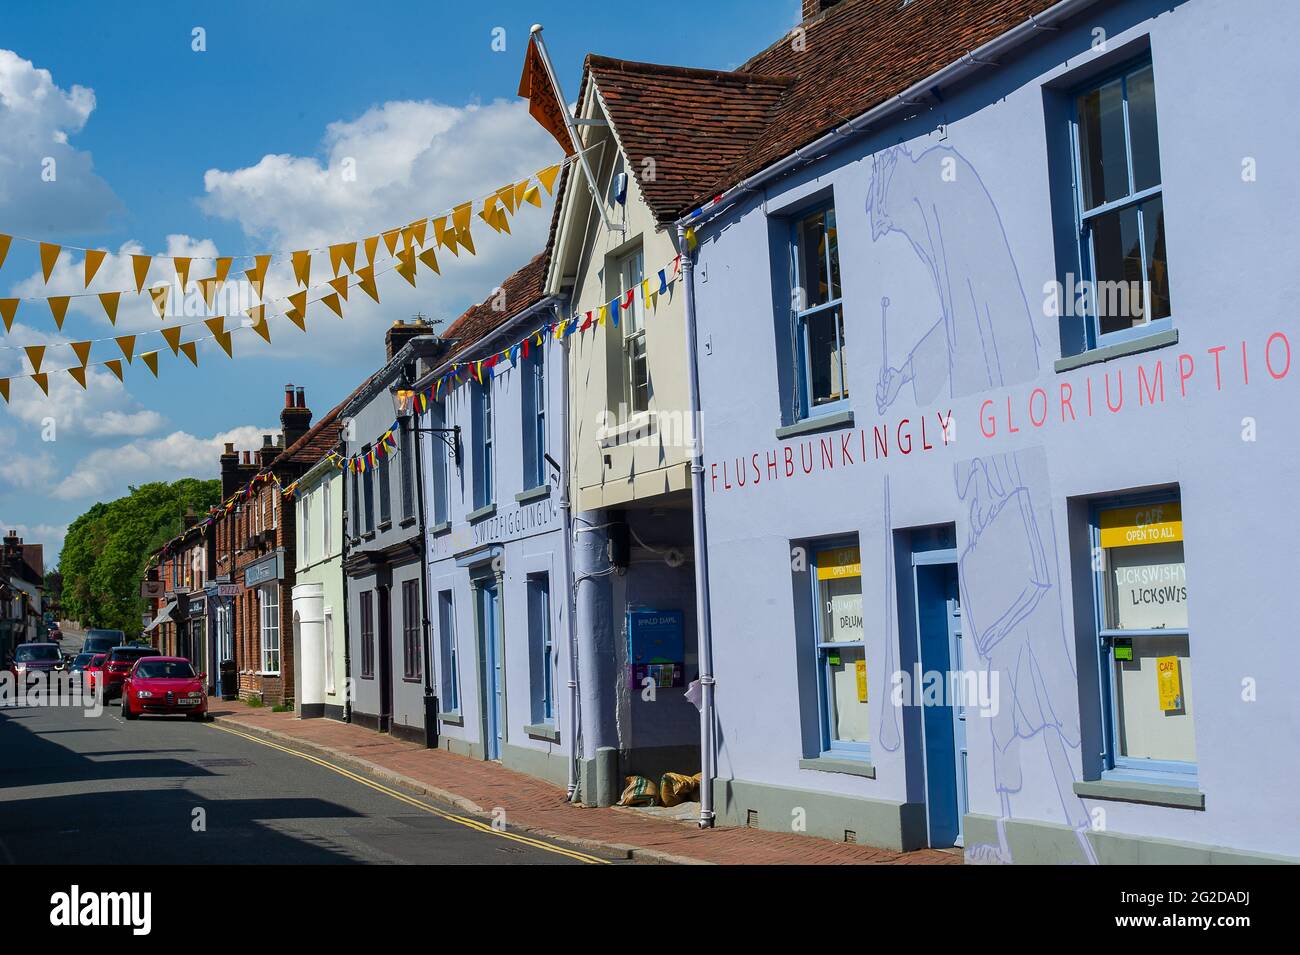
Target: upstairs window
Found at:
x=484, y=478
x=1121, y=218
x=405, y=449
x=440, y=454
x=636, y=371
x=382, y=476
x=818, y=313
x=534, y=406
x=368, y=486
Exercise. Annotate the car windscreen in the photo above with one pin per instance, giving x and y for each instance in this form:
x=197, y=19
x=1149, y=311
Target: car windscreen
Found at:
x=37, y=654
x=164, y=670
x=132, y=654
x=82, y=659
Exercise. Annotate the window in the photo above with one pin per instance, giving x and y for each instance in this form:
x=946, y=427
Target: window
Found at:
x=534, y=406
x=329, y=650
x=326, y=519
x=355, y=530
x=274, y=495
x=542, y=667
x=636, y=373
x=306, y=528
x=367, y=602
x=1141, y=583
x=368, y=485
x=439, y=455
x=268, y=598
x=406, y=449
x=841, y=650
x=383, y=472
x=449, y=690
x=1121, y=217
x=411, y=629
x=818, y=313
x=483, y=476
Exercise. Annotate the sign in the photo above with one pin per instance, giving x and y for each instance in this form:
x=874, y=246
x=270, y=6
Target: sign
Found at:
x=861, y=668
x=1168, y=683
x=228, y=590
x=151, y=589
x=656, y=647
x=1148, y=524
x=263, y=571
x=1148, y=587
x=838, y=563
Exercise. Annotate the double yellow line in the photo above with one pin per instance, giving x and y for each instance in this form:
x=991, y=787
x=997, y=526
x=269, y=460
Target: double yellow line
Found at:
x=466, y=821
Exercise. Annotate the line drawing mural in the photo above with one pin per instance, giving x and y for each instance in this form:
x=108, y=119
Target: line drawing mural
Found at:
x=1008, y=572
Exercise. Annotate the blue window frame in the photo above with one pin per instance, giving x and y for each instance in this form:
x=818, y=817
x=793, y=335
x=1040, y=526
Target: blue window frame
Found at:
x=541, y=648
x=839, y=642
x=1119, y=207
x=1143, y=640
x=450, y=668
x=368, y=486
x=534, y=409
x=439, y=454
x=818, y=314
x=484, y=484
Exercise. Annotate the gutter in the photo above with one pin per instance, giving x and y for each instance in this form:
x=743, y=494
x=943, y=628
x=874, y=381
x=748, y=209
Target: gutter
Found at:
x=967, y=64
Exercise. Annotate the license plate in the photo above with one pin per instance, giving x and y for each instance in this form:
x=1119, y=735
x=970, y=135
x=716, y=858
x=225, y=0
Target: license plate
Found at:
x=187, y=701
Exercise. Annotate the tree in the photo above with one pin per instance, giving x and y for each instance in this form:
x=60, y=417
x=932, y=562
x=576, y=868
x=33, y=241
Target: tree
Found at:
x=104, y=555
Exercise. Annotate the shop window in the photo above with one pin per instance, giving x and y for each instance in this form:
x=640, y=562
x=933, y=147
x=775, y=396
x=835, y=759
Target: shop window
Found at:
x=541, y=650
x=1144, y=640
x=839, y=632
x=818, y=314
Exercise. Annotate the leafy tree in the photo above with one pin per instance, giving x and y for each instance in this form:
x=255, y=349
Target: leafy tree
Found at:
x=104, y=555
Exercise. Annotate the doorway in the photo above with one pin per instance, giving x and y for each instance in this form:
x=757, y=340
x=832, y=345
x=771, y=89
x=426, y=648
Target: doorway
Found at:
x=942, y=693
x=385, y=662
x=488, y=612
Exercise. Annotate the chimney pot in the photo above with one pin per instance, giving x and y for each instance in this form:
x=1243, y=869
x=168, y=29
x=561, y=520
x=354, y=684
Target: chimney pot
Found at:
x=288, y=396
x=230, y=447
x=302, y=398
x=266, y=440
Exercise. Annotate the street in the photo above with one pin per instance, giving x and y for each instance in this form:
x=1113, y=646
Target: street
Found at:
x=165, y=790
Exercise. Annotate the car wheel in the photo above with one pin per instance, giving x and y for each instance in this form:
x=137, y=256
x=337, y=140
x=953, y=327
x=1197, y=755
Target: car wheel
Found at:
x=127, y=714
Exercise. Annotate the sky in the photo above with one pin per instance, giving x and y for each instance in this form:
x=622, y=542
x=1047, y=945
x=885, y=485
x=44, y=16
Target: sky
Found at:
x=243, y=127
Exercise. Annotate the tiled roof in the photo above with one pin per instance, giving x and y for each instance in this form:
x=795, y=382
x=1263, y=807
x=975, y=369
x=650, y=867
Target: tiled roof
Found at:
x=519, y=292
x=709, y=130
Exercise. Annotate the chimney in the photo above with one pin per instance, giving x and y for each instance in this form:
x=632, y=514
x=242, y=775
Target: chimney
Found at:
x=295, y=419
x=399, y=333
x=190, y=518
x=270, y=450
x=229, y=471
x=812, y=8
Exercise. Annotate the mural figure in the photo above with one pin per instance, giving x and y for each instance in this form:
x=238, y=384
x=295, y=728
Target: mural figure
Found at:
x=982, y=339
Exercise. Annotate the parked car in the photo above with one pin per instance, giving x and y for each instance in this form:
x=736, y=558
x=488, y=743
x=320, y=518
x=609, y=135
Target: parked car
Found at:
x=101, y=641
x=160, y=684
x=55, y=635
x=35, y=658
x=118, y=665
x=94, y=670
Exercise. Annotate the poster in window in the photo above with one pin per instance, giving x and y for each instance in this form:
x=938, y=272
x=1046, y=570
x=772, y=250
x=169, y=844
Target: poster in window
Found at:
x=656, y=648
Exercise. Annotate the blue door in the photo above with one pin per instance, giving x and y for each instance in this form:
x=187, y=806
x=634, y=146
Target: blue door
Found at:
x=943, y=721
x=493, y=669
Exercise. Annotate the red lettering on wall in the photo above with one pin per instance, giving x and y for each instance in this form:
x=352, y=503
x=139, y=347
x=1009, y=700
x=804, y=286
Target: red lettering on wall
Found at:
x=1037, y=422
x=1119, y=374
x=898, y=436
x=881, y=440
x=988, y=424
x=946, y=425
x=1185, y=368
x=1268, y=355
x=1148, y=391
x=1067, y=398
x=1218, y=379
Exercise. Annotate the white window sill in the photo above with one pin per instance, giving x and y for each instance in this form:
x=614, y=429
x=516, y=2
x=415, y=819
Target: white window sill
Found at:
x=640, y=425
x=1133, y=346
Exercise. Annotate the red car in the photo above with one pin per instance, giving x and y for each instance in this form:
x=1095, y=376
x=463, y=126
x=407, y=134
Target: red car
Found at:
x=92, y=669
x=118, y=665
x=164, y=685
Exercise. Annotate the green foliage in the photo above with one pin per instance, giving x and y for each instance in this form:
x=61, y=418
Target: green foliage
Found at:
x=106, y=549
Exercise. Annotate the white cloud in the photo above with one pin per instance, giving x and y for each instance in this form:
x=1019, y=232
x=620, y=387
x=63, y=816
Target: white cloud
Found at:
x=107, y=472
x=124, y=424
x=26, y=470
x=37, y=118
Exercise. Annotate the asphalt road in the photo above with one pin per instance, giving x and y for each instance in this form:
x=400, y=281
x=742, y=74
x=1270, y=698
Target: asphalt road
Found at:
x=95, y=789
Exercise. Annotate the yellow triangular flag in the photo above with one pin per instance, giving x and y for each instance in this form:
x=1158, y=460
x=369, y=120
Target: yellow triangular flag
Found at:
x=390, y=240
x=109, y=300
x=182, y=270
x=263, y=328
x=115, y=366
x=35, y=354
x=59, y=309
x=507, y=196
x=332, y=300
x=159, y=295
x=217, y=326
x=127, y=344
x=503, y=222
x=49, y=255
x=94, y=259
x=340, y=285
x=521, y=190
x=367, y=283
x=150, y=359
x=257, y=274
x=418, y=229
x=43, y=381
x=450, y=241
x=191, y=352
x=547, y=177
x=406, y=265
x=489, y=213
x=298, y=312
x=4, y=382
x=466, y=240
x=431, y=260
x=533, y=196
x=223, y=339
x=172, y=335
x=78, y=375
x=208, y=287
x=345, y=253
x=4, y=250
x=439, y=230
x=140, y=264
x=460, y=216
x=371, y=244
x=223, y=267
x=82, y=351
x=302, y=267
x=8, y=309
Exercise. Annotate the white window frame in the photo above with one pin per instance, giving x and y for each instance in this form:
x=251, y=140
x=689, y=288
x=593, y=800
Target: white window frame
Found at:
x=269, y=628
x=631, y=273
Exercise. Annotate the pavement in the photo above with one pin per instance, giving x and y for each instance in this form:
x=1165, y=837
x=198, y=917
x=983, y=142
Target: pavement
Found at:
x=529, y=805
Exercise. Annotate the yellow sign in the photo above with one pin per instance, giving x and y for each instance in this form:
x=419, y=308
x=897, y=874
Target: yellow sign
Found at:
x=1168, y=683
x=1148, y=524
x=838, y=563
x=861, y=668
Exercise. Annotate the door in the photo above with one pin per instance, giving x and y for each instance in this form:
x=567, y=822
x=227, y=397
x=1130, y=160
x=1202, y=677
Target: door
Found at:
x=384, y=637
x=943, y=695
x=493, y=682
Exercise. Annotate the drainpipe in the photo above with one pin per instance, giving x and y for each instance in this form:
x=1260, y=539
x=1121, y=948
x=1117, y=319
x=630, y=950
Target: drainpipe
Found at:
x=705, y=648
x=570, y=603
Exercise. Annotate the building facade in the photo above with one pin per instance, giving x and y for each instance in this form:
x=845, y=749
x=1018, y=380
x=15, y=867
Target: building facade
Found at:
x=992, y=489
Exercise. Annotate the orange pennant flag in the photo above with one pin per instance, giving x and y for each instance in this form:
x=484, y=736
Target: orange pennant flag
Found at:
x=263, y=328
x=43, y=381
x=78, y=375
x=547, y=177
x=4, y=382
x=543, y=104
x=159, y=295
x=35, y=354
x=182, y=270
x=127, y=344
x=49, y=255
x=345, y=253
x=431, y=260
x=150, y=359
x=367, y=283
x=332, y=301
x=340, y=285
x=406, y=265
x=460, y=216
x=8, y=309
x=507, y=196
x=223, y=339
x=372, y=244
x=298, y=310
x=521, y=189
x=191, y=351
x=172, y=335
x=115, y=366
x=82, y=351
x=94, y=259
x=466, y=240
x=4, y=250
x=257, y=274
x=223, y=267
x=109, y=300
x=418, y=230
x=140, y=263
x=390, y=240
x=217, y=326
x=302, y=267
x=209, y=288
x=59, y=309
x=533, y=196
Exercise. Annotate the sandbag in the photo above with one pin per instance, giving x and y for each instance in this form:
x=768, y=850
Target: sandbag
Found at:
x=639, y=791
x=677, y=788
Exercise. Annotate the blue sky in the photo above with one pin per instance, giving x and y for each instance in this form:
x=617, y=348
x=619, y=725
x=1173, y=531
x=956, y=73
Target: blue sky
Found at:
x=237, y=149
